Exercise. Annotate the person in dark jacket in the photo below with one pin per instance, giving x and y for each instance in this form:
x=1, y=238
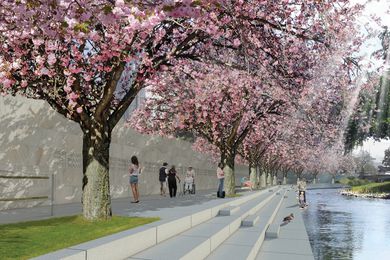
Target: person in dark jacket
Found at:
x=172, y=176
x=162, y=177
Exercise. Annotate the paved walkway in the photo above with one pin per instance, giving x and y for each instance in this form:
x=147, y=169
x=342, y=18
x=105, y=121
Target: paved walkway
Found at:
x=150, y=205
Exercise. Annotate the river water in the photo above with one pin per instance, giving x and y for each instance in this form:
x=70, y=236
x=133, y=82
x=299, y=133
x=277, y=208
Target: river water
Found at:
x=341, y=227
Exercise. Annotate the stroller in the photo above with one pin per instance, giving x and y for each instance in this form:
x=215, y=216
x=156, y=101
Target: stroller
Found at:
x=189, y=185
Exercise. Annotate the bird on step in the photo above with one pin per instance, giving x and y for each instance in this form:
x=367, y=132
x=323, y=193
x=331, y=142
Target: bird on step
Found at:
x=288, y=218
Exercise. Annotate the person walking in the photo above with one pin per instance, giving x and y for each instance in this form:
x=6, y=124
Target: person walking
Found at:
x=302, y=191
x=134, y=172
x=172, y=176
x=162, y=177
x=221, y=179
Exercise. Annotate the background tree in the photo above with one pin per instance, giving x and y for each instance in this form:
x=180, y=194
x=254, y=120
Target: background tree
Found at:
x=386, y=158
x=365, y=164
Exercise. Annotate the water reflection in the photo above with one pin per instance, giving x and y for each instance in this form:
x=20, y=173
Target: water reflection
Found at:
x=347, y=228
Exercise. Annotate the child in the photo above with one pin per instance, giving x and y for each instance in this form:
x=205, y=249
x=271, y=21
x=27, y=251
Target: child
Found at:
x=301, y=198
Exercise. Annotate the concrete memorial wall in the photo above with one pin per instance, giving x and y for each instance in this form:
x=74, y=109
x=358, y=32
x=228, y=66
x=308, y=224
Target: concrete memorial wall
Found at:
x=40, y=157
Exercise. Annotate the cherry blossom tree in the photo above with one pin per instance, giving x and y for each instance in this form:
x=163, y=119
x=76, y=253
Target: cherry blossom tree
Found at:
x=216, y=104
x=89, y=59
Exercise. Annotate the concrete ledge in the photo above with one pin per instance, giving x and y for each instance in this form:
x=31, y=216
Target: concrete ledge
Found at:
x=173, y=228
x=250, y=221
x=201, y=217
x=69, y=254
x=273, y=231
x=228, y=211
x=199, y=252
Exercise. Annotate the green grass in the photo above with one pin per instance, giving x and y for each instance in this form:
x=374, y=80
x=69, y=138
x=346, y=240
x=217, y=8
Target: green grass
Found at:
x=353, y=181
x=383, y=187
x=234, y=195
x=28, y=239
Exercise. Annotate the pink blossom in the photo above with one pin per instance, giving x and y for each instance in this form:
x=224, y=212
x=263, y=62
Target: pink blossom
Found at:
x=51, y=59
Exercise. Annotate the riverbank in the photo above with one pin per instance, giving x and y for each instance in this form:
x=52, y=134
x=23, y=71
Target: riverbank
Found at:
x=366, y=195
x=371, y=190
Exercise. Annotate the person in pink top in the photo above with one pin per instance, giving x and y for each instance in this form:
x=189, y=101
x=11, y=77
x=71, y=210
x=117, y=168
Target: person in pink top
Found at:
x=221, y=178
x=134, y=172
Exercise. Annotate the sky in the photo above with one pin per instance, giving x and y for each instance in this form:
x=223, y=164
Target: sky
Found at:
x=376, y=149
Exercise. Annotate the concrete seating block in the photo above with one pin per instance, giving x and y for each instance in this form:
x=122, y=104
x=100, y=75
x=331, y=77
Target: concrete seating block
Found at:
x=285, y=197
x=250, y=221
x=228, y=211
x=273, y=231
x=270, y=190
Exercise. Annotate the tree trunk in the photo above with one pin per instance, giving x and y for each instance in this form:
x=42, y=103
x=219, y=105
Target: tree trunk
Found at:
x=230, y=181
x=297, y=180
x=269, y=179
x=284, y=180
x=253, y=177
x=333, y=180
x=274, y=180
x=96, y=184
x=314, y=180
x=263, y=183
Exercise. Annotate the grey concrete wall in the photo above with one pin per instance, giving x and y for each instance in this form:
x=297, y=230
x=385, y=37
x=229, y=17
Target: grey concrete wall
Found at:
x=37, y=141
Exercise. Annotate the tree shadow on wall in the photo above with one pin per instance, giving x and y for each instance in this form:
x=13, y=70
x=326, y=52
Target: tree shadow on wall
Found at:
x=35, y=141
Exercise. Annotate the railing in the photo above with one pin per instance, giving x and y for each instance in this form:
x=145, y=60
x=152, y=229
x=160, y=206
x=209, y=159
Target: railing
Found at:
x=49, y=178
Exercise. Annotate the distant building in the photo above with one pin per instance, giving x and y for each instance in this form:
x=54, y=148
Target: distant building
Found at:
x=383, y=169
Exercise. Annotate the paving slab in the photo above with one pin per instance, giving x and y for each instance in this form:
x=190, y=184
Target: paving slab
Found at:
x=293, y=242
x=282, y=256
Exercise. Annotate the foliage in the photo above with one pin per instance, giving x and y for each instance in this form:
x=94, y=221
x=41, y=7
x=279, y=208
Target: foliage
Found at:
x=365, y=164
x=386, y=158
x=29, y=239
x=373, y=188
x=353, y=181
x=371, y=117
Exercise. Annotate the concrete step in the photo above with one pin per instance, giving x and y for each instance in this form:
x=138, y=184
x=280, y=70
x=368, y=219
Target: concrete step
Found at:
x=200, y=241
x=273, y=230
x=250, y=221
x=246, y=241
x=130, y=242
x=292, y=242
x=228, y=211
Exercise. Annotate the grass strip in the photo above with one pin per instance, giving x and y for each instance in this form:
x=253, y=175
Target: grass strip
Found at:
x=383, y=187
x=28, y=239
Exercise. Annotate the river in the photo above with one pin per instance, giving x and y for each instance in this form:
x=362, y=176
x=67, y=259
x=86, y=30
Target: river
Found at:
x=341, y=227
